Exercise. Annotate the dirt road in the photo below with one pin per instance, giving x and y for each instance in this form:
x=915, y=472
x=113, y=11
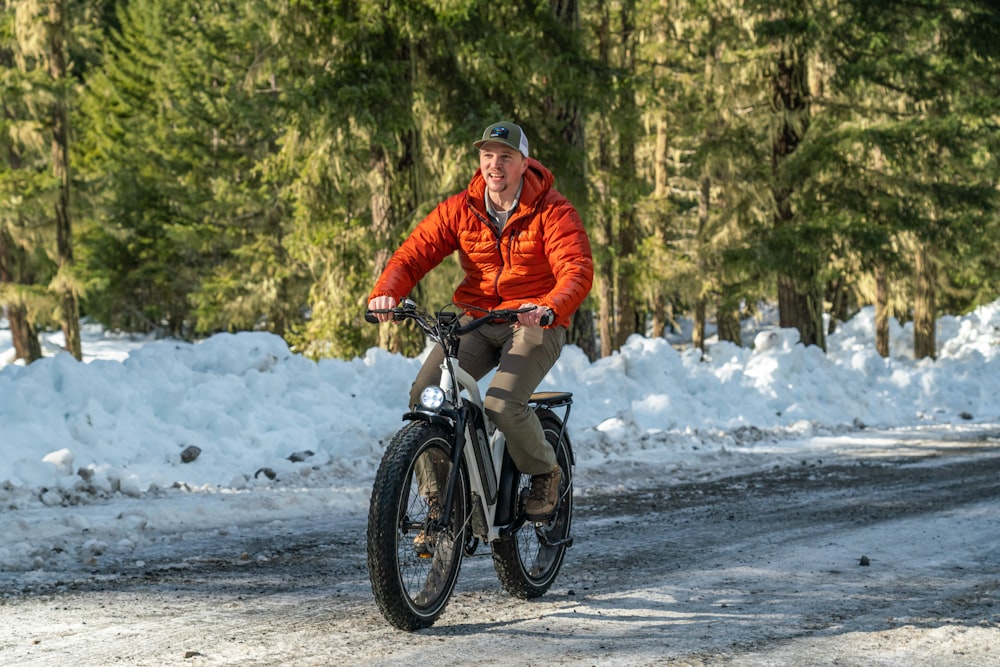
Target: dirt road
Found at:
x=874, y=562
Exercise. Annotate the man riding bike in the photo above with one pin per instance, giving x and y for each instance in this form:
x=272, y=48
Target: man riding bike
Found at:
x=520, y=243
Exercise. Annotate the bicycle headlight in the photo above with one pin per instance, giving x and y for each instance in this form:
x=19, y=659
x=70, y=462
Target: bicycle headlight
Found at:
x=432, y=397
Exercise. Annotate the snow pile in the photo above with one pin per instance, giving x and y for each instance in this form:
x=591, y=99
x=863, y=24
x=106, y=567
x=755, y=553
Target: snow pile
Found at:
x=240, y=415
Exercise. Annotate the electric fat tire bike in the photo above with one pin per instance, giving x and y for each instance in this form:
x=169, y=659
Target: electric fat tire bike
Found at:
x=446, y=483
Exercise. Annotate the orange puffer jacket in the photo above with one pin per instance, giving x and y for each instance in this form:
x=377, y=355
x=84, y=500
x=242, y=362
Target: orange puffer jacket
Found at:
x=541, y=256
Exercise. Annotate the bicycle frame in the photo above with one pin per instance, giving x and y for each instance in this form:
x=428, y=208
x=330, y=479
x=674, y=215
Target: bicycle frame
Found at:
x=463, y=412
x=484, y=460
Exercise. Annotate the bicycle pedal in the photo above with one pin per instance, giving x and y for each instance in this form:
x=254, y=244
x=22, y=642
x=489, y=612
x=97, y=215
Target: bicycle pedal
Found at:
x=542, y=521
x=423, y=545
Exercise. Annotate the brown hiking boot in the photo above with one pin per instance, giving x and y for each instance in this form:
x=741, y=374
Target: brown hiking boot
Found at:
x=543, y=495
x=423, y=543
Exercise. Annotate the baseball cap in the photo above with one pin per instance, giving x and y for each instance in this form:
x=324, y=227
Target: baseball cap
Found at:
x=506, y=133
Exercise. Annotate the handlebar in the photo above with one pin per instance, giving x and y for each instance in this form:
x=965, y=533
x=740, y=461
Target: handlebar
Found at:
x=408, y=309
x=508, y=315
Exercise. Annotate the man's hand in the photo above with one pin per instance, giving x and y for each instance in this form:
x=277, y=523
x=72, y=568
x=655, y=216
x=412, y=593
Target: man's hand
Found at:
x=533, y=318
x=382, y=303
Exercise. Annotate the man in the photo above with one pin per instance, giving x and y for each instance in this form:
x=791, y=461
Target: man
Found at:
x=520, y=243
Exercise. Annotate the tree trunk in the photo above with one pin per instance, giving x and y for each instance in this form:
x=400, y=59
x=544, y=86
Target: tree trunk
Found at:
x=704, y=203
x=882, y=311
x=23, y=333
x=924, y=305
x=279, y=310
x=791, y=305
x=661, y=315
x=728, y=317
x=581, y=333
x=698, y=332
x=837, y=295
x=604, y=274
x=800, y=300
x=728, y=323
x=68, y=304
x=380, y=202
x=626, y=316
x=606, y=297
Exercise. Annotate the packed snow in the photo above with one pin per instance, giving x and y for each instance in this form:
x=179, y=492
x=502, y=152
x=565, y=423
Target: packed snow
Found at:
x=153, y=437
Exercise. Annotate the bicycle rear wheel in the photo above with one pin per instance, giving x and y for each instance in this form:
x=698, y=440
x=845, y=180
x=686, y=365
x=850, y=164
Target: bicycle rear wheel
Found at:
x=411, y=584
x=528, y=559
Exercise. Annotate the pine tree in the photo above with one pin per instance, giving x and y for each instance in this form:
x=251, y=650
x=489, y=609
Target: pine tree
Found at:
x=186, y=236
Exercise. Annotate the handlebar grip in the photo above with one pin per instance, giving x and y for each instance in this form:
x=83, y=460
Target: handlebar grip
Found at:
x=370, y=317
x=547, y=318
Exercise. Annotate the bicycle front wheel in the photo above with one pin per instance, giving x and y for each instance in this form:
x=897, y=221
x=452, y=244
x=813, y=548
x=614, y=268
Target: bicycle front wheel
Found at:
x=413, y=561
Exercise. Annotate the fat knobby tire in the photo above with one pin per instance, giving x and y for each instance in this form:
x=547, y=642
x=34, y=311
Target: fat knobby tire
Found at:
x=389, y=545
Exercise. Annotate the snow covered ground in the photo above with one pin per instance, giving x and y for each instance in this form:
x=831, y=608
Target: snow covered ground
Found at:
x=102, y=459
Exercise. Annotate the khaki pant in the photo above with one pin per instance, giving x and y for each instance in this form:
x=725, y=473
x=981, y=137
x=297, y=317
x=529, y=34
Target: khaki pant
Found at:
x=522, y=356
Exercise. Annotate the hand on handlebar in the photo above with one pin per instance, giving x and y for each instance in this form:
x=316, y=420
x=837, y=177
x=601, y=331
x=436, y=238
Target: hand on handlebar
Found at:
x=380, y=309
x=536, y=317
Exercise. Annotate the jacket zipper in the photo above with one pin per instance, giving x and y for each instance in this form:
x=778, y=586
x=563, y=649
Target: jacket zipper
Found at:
x=499, y=247
x=497, y=235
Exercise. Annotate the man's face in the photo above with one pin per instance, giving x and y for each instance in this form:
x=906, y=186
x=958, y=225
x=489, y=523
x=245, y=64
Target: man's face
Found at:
x=501, y=166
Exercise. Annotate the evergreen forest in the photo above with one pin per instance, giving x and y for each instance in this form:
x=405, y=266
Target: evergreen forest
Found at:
x=187, y=167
